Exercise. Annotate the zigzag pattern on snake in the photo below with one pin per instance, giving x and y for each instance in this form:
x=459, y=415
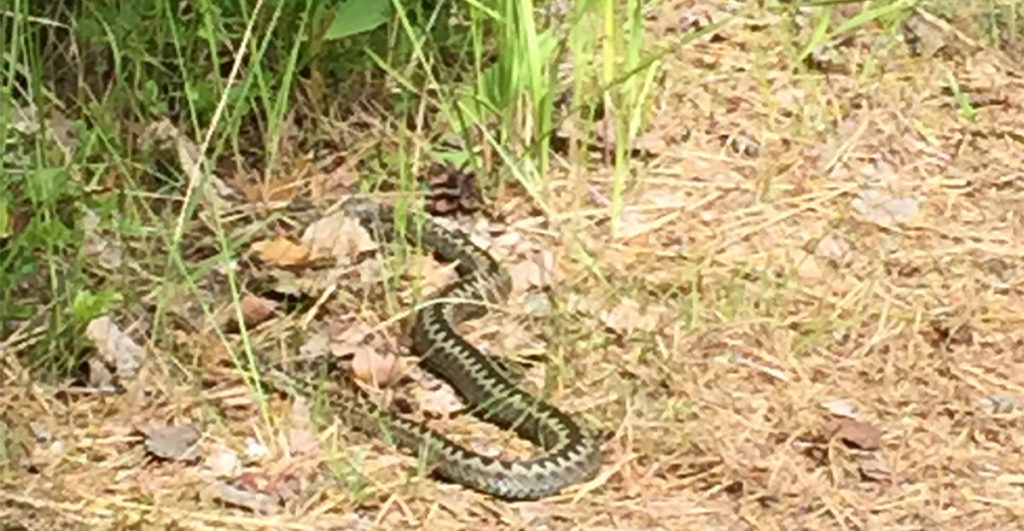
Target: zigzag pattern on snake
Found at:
x=572, y=453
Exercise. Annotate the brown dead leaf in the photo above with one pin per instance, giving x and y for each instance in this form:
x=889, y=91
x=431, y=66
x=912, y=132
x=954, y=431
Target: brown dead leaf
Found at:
x=337, y=237
x=257, y=190
x=859, y=434
x=377, y=369
x=256, y=309
x=281, y=251
x=873, y=468
x=177, y=442
x=254, y=501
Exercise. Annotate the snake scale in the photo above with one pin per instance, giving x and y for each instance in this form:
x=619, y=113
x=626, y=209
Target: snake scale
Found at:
x=572, y=453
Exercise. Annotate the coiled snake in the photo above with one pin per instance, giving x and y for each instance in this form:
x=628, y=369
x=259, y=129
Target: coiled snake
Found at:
x=572, y=452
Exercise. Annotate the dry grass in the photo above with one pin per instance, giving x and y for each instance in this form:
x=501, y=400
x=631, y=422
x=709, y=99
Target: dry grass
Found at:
x=747, y=304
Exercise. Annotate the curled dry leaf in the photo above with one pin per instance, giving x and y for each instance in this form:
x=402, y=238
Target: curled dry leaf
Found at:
x=281, y=251
x=337, y=237
x=380, y=370
x=177, y=443
x=115, y=348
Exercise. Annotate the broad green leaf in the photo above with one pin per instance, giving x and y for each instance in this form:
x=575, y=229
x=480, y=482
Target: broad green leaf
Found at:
x=357, y=16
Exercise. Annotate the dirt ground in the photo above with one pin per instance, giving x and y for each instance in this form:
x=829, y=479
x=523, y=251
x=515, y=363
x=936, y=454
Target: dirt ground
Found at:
x=811, y=318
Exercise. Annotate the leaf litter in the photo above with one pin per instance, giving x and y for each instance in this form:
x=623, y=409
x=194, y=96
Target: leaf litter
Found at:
x=698, y=442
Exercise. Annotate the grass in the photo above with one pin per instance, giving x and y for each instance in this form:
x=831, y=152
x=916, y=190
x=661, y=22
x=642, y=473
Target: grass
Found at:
x=690, y=175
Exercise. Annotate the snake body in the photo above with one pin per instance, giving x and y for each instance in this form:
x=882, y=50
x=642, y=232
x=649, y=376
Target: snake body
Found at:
x=572, y=453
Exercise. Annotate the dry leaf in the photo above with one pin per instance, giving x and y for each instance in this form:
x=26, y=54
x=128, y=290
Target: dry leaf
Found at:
x=301, y=417
x=302, y=441
x=882, y=209
x=376, y=369
x=807, y=267
x=439, y=401
x=538, y=272
x=337, y=237
x=114, y=347
x=176, y=442
x=841, y=407
x=254, y=450
x=281, y=251
x=25, y=119
x=627, y=317
x=100, y=377
x=833, y=247
x=257, y=502
x=223, y=462
x=188, y=157
x=316, y=345
x=255, y=309
x=537, y=304
x=287, y=487
x=166, y=134
x=997, y=404
x=859, y=434
x=61, y=131
x=433, y=275
x=105, y=253
x=875, y=469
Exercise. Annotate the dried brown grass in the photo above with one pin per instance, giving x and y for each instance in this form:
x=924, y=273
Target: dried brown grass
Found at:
x=715, y=339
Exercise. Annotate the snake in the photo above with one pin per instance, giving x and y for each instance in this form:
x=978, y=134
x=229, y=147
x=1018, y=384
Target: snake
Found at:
x=571, y=452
